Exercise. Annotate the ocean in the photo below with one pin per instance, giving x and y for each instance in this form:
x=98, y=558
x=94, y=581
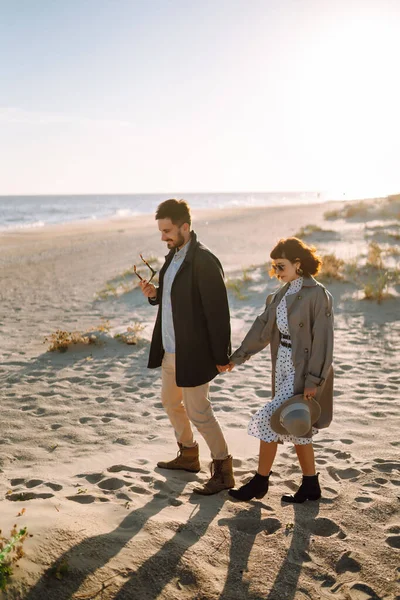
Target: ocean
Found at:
x=17, y=212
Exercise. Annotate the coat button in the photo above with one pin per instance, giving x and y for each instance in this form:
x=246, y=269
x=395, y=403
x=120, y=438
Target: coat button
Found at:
x=299, y=297
x=305, y=349
x=300, y=324
x=328, y=314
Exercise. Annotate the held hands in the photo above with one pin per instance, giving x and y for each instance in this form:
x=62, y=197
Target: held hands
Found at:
x=148, y=289
x=224, y=368
x=309, y=393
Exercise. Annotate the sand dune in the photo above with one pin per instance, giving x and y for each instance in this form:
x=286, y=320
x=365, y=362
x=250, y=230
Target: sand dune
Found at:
x=81, y=430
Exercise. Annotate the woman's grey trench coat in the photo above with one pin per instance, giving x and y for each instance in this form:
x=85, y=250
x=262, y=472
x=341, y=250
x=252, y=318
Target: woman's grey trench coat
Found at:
x=310, y=318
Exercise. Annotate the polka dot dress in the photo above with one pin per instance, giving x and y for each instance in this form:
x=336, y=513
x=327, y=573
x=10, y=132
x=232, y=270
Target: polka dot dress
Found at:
x=259, y=425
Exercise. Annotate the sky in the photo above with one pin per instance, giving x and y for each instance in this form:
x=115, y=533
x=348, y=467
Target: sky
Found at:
x=126, y=96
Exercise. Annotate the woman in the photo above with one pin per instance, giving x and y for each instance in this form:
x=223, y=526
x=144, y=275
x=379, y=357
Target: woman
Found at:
x=298, y=325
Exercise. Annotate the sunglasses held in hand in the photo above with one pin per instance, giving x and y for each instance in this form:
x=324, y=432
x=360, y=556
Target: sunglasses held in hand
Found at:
x=153, y=272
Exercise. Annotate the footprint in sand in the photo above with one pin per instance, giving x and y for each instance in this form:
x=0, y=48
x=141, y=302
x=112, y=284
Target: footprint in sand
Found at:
x=24, y=496
x=92, y=477
x=324, y=527
x=137, y=489
x=32, y=483
x=84, y=420
x=252, y=526
x=393, y=540
x=349, y=473
x=347, y=563
x=363, y=499
x=86, y=499
x=119, y=468
x=112, y=483
x=386, y=466
x=361, y=591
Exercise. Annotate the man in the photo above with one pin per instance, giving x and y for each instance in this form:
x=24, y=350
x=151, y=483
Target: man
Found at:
x=191, y=342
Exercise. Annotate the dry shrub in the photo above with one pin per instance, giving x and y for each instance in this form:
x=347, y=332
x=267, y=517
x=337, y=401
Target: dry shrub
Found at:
x=358, y=209
x=352, y=209
x=377, y=289
x=374, y=256
x=332, y=268
x=393, y=250
x=394, y=198
x=131, y=336
x=61, y=340
x=307, y=230
x=333, y=214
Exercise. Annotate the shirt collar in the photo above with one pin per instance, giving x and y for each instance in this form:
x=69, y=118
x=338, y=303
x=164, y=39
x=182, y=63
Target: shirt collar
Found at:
x=183, y=251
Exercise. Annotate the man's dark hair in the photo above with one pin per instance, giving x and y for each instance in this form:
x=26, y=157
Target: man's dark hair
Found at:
x=176, y=210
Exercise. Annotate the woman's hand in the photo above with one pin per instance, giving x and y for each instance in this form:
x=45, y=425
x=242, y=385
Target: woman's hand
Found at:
x=309, y=393
x=224, y=368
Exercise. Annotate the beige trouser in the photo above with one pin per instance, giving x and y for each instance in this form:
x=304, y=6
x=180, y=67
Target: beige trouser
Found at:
x=190, y=404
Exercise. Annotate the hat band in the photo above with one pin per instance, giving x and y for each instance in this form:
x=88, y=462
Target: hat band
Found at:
x=295, y=406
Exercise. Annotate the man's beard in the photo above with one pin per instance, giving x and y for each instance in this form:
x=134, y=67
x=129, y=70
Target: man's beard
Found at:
x=180, y=240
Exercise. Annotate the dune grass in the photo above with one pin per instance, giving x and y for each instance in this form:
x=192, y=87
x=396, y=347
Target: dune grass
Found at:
x=332, y=268
x=11, y=550
x=308, y=230
x=132, y=334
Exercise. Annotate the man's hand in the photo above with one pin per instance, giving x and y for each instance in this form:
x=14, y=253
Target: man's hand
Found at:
x=148, y=289
x=309, y=392
x=224, y=368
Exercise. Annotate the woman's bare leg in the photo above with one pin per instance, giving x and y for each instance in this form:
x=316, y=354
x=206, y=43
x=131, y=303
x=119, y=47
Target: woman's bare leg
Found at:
x=267, y=457
x=305, y=454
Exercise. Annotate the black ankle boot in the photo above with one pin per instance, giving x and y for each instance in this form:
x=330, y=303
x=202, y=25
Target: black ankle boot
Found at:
x=309, y=490
x=255, y=488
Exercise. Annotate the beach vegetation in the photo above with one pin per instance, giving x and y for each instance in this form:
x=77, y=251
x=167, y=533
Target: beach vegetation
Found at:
x=308, y=230
x=393, y=250
x=236, y=287
x=332, y=268
x=333, y=214
x=11, y=550
x=377, y=288
x=132, y=335
x=374, y=256
x=350, y=210
x=61, y=340
x=246, y=275
x=126, y=282
x=380, y=208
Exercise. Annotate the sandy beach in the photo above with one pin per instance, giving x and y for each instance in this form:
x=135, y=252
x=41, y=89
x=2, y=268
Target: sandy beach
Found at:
x=82, y=429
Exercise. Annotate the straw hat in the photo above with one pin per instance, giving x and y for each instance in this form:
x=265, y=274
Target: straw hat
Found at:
x=295, y=416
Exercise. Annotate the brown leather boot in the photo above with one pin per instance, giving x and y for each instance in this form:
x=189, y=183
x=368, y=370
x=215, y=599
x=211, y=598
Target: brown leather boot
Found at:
x=221, y=477
x=187, y=459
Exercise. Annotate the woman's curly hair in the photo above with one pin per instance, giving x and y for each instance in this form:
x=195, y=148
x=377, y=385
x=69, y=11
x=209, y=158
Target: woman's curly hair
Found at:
x=295, y=250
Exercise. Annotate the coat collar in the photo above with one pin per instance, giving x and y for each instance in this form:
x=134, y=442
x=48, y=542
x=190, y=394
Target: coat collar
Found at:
x=308, y=281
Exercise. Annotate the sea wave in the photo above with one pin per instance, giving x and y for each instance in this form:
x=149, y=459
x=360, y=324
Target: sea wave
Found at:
x=33, y=225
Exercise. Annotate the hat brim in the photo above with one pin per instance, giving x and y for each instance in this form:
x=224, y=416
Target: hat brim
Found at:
x=312, y=404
